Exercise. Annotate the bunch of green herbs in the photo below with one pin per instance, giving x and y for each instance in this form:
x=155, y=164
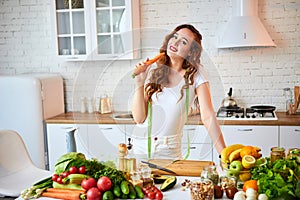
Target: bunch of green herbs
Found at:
x=97, y=169
x=278, y=178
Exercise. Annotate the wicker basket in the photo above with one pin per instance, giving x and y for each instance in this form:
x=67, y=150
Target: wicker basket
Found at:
x=75, y=4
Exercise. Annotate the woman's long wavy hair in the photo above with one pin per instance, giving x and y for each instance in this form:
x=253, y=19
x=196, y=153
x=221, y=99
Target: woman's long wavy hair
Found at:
x=159, y=76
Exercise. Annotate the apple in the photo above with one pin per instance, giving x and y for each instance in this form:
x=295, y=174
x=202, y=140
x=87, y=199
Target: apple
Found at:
x=236, y=166
x=104, y=183
x=233, y=173
x=88, y=183
x=93, y=194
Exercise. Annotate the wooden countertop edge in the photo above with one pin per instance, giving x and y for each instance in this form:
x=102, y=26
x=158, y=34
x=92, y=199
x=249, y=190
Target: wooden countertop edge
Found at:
x=97, y=118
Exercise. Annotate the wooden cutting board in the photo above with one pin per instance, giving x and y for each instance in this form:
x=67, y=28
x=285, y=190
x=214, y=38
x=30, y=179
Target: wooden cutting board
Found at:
x=181, y=167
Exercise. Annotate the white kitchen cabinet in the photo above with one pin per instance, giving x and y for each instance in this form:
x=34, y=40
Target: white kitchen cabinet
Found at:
x=289, y=137
x=57, y=141
x=100, y=141
x=201, y=147
x=264, y=137
x=93, y=140
x=96, y=29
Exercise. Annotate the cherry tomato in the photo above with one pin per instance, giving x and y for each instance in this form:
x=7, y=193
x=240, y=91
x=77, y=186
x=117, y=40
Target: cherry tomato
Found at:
x=73, y=170
x=59, y=180
x=54, y=177
x=151, y=195
x=64, y=174
x=159, y=195
x=82, y=170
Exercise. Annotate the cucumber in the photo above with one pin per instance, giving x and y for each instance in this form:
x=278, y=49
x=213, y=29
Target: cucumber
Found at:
x=139, y=192
x=124, y=187
x=117, y=191
x=132, y=192
x=169, y=183
x=108, y=195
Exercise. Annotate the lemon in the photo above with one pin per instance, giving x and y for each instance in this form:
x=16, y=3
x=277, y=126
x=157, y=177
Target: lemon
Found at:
x=245, y=176
x=248, y=161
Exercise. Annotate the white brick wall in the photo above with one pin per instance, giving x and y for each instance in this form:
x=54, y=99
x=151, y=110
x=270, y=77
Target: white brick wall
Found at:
x=257, y=75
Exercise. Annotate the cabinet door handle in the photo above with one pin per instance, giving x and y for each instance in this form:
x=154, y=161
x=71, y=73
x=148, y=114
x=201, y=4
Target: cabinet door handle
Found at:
x=190, y=129
x=108, y=128
x=297, y=130
x=193, y=147
x=245, y=129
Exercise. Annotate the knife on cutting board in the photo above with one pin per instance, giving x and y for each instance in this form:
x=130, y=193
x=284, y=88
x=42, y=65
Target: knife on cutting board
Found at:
x=154, y=166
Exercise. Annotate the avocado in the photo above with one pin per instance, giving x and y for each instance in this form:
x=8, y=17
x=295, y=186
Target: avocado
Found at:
x=169, y=183
x=158, y=179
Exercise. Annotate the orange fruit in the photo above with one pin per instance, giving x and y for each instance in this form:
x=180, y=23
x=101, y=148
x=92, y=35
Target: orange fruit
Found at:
x=248, y=150
x=250, y=184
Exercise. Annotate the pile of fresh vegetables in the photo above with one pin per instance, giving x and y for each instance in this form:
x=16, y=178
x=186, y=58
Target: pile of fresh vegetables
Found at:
x=76, y=178
x=280, y=179
x=70, y=170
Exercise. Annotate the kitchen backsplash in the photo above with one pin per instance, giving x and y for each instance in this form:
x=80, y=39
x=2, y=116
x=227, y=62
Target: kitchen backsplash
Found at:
x=257, y=75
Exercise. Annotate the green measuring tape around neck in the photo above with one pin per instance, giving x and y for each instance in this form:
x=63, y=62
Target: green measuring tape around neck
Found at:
x=187, y=97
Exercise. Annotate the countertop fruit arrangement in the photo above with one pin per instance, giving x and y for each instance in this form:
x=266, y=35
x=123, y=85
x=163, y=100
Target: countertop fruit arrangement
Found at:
x=239, y=159
x=76, y=178
x=277, y=179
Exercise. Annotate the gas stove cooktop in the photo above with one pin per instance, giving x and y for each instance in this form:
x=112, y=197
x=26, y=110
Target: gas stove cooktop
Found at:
x=259, y=112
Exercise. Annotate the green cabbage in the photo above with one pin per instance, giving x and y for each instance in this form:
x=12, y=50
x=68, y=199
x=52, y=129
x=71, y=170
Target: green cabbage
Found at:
x=69, y=159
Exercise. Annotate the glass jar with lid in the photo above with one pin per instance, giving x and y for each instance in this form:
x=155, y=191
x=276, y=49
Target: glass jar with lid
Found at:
x=277, y=153
x=210, y=172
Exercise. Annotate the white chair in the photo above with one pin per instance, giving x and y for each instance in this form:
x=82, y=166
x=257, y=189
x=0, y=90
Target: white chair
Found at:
x=17, y=171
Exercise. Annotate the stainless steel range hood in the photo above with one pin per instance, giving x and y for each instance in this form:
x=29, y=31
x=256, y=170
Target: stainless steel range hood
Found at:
x=245, y=28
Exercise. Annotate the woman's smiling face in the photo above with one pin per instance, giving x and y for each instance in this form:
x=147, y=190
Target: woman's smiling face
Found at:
x=180, y=43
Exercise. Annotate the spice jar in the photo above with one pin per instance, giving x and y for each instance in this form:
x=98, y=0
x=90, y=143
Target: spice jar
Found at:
x=210, y=172
x=277, y=153
x=227, y=182
x=202, y=190
x=293, y=152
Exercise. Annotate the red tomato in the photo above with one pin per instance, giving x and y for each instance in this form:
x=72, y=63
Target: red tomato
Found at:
x=64, y=174
x=73, y=170
x=151, y=195
x=82, y=170
x=159, y=195
x=59, y=180
x=54, y=177
x=93, y=194
x=104, y=183
x=88, y=183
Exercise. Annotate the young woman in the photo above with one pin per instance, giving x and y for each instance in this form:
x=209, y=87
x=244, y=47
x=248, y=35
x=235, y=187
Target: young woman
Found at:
x=165, y=92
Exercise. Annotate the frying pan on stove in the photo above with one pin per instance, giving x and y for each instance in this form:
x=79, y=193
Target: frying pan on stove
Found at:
x=263, y=108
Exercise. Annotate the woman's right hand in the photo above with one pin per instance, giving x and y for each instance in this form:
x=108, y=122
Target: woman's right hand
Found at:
x=140, y=72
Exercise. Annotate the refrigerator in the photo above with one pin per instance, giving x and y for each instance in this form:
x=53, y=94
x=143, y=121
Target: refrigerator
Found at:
x=25, y=102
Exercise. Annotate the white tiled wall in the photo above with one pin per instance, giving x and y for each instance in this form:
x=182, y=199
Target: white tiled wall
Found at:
x=257, y=75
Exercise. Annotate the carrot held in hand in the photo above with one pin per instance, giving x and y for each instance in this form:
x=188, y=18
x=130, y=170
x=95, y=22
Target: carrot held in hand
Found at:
x=139, y=69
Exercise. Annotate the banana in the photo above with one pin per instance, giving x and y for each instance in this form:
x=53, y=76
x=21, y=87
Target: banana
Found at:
x=234, y=155
x=228, y=150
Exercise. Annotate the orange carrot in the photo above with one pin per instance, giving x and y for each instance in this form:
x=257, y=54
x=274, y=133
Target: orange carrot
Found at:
x=62, y=195
x=60, y=190
x=139, y=69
